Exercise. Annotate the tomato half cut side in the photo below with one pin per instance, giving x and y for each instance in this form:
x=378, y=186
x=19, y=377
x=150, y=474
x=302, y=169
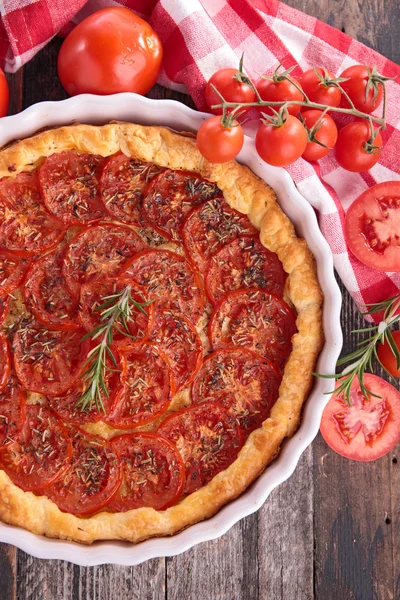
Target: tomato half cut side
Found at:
x=5, y=361
x=99, y=252
x=123, y=182
x=153, y=472
x=92, y=479
x=372, y=227
x=69, y=182
x=12, y=412
x=46, y=293
x=48, y=362
x=169, y=280
x=12, y=272
x=41, y=453
x=243, y=263
x=148, y=390
x=207, y=437
x=255, y=320
x=209, y=227
x=241, y=381
x=177, y=337
x=170, y=197
x=370, y=427
x=26, y=228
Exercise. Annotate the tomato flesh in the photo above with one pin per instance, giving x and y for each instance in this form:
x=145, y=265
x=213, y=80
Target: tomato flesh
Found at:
x=370, y=427
x=12, y=271
x=12, y=411
x=5, y=361
x=153, y=473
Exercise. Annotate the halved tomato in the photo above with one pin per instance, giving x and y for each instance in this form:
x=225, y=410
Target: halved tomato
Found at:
x=372, y=227
x=153, y=473
x=367, y=429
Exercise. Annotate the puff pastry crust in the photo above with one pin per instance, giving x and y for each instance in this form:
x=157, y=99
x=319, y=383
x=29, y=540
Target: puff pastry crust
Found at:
x=244, y=191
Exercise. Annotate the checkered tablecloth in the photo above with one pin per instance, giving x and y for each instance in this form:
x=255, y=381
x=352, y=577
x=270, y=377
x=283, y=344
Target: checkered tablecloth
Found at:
x=201, y=36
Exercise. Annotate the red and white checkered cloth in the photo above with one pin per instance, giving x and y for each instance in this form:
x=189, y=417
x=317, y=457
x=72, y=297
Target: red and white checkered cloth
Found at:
x=201, y=36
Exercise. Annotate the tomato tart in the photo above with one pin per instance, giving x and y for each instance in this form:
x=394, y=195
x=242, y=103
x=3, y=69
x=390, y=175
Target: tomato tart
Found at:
x=160, y=322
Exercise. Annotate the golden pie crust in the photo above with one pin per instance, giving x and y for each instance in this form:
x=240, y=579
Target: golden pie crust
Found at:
x=245, y=192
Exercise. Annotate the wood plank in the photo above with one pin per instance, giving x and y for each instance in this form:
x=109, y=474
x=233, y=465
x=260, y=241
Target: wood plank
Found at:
x=8, y=572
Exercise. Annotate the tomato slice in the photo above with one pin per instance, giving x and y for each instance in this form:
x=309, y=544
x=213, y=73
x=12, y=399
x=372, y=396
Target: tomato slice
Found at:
x=153, y=473
x=148, y=390
x=42, y=452
x=69, y=182
x=175, y=335
x=92, y=479
x=5, y=361
x=26, y=228
x=170, y=280
x=256, y=320
x=12, y=411
x=123, y=182
x=98, y=252
x=12, y=271
x=372, y=227
x=242, y=381
x=170, y=197
x=95, y=294
x=243, y=263
x=207, y=437
x=370, y=427
x=46, y=293
x=48, y=362
x=209, y=227
x=4, y=304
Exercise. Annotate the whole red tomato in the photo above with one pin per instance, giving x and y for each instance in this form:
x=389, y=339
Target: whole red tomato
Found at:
x=279, y=91
x=111, y=51
x=317, y=88
x=4, y=94
x=281, y=145
x=356, y=88
x=233, y=86
x=355, y=150
x=321, y=129
x=386, y=356
x=220, y=143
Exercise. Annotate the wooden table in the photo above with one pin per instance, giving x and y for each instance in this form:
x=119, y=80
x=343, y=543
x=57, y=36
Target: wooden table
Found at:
x=331, y=532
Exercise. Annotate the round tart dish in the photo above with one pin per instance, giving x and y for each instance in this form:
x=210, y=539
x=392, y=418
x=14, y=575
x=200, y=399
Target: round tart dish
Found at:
x=206, y=376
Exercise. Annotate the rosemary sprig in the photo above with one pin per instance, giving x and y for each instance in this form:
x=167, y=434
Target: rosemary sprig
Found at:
x=116, y=312
x=362, y=358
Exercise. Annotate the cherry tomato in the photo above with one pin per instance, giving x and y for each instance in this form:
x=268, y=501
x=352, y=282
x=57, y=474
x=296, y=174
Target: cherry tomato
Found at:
x=356, y=88
x=4, y=94
x=217, y=143
x=227, y=82
x=317, y=91
x=278, y=91
x=387, y=357
x=371, y=226
x=111, y=51
x=281, y=146
x=351, y=147
x=370, y=427
x=326, y=134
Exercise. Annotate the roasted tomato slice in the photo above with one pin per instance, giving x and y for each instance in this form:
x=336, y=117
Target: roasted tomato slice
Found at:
x=170, y=197
x=170, y=280
x=242, y=381
x=26, y=228
x=243, y=263
x=92, y=479
x=175, y=335
x=41, y=453
x=209, y=227
x=148, y=390
x=256, y=320
x=98, y=252
x=123, y=182
x=48, y=362
x=372, y=227
x=94, y=295
x=5, y=361
x=4, y=303
x=12, y=271
x=70, y=182
x=46, y=293
x=12, y=411
x=367, y=429
x=153, y=473
x=208, y=438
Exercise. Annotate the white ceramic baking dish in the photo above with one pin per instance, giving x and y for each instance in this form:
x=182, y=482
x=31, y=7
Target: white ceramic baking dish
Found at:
x=137, y=109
